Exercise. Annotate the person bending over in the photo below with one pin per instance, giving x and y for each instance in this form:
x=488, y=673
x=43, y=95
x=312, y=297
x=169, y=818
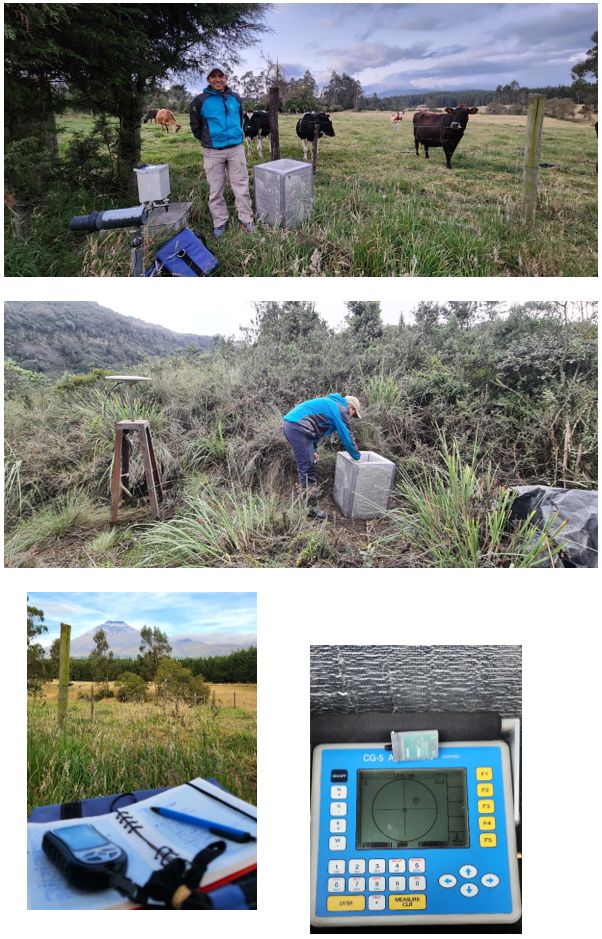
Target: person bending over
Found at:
x=308, y=423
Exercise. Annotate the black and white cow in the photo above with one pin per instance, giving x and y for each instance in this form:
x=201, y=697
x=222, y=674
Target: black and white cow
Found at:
x=256, y=126
x=305, y=128
x=151, y=116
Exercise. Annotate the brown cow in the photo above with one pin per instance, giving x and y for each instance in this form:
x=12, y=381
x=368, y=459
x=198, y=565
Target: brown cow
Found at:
x=433, y=129
x=166, y=119
x=396, y=119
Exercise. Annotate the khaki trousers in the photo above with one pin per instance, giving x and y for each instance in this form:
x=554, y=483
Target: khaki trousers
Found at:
x=216, y=163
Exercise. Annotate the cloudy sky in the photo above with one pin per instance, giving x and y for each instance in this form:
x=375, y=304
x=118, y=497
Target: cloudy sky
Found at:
x=225, y=318
x=397, y=47
x=218, y=617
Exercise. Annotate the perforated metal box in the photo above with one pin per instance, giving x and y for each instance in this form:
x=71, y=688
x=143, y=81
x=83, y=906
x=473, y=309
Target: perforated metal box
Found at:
x=283, y=192
x=362, y=487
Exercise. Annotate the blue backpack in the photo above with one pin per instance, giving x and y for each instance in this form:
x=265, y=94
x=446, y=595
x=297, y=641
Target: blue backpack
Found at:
x=184, y=255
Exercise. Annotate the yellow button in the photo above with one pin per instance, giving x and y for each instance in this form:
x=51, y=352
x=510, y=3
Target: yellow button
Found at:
x=407, y=901
x=488, y=841
x=345, y=904
x=486, y=806
x=484, y=773
x=487, y=823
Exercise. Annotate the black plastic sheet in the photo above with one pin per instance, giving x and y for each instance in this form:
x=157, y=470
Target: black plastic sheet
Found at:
x=574, y=515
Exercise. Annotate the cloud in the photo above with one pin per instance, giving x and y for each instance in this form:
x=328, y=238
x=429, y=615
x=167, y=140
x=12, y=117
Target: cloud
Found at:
x=361, y=56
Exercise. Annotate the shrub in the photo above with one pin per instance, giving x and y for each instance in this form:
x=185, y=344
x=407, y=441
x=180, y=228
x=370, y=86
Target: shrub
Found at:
x=130, y=687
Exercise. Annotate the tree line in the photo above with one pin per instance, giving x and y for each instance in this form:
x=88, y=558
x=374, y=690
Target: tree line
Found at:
x=238, y=667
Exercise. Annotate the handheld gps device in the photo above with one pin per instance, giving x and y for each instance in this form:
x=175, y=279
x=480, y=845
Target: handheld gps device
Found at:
x=84, y=857
x=414, y=841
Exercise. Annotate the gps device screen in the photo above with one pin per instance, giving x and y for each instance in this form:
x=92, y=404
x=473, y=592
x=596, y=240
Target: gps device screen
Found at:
x=412, y=809
x=82, y=837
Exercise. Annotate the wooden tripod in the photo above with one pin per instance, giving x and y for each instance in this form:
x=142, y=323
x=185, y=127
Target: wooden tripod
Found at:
x=120, y=477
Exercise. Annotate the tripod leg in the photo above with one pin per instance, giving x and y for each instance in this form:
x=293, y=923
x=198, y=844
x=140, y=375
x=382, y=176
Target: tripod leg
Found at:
x=148, y=472
x=116, y=475
x=155, y=466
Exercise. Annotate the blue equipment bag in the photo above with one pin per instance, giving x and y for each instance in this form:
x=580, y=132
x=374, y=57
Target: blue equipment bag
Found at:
x=184, y=255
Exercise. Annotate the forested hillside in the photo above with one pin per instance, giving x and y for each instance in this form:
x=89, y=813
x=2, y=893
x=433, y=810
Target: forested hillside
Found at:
x=71, y=336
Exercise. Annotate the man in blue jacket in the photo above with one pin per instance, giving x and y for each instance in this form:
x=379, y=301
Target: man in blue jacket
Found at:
x=307, y=424
x=216, y=119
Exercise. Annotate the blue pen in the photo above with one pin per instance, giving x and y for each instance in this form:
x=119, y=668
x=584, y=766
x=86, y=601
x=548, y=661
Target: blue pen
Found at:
x=222, y=831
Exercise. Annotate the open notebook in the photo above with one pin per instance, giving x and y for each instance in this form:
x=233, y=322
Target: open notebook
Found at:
x=150, y=841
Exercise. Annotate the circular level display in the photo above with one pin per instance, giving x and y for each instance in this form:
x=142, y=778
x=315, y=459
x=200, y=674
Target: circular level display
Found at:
x=404, y=810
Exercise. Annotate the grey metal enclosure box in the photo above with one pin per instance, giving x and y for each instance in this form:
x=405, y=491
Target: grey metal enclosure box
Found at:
x=284, y=191
x=362, y=487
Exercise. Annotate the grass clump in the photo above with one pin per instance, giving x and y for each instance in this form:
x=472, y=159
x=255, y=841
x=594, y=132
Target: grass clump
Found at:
x=53, y=522
x=231, y=529
x=454, y=515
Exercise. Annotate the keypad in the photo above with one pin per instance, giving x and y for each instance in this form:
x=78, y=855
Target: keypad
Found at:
x=376, y=883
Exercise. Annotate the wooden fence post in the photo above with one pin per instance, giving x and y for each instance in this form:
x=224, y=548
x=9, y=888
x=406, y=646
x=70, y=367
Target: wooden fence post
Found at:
x=273, y=114
x=537, y=106
x=64, y=651
x=314, y=147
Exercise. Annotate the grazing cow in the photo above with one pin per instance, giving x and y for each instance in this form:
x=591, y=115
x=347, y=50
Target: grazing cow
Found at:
x=441, y=130
x=396, y=119
x=305, y=128
x=151, y=116
x=256, y=126
x=166, y=119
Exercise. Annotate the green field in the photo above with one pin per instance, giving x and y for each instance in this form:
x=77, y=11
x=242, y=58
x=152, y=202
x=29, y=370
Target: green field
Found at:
x=379, y=210
x=137, y=746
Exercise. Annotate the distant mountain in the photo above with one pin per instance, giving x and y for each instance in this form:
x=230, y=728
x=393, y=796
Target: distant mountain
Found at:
x=73, y=336
x=124, y=641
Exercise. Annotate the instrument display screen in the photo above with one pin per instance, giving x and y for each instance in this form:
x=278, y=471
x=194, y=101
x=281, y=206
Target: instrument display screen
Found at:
x=412, y=809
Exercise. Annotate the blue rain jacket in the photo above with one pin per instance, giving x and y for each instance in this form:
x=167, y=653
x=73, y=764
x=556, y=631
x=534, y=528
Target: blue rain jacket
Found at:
x=216, y=118
x=320, y=417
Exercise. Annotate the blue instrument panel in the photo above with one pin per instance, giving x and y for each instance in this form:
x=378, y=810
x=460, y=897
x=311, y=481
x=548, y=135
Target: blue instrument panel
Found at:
x=423, y=841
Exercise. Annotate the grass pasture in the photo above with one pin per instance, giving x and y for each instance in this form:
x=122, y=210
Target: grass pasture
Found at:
x=136, y=746
x=378, y=211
